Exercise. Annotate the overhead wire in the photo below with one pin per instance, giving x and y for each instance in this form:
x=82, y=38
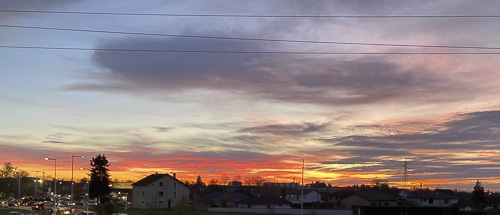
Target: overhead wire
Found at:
x=245, y=52
x=247, y=39
x=243, y=15
x=242, y=38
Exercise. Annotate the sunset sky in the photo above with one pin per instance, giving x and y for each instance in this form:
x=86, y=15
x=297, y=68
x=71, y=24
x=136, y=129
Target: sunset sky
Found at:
x=240, y=87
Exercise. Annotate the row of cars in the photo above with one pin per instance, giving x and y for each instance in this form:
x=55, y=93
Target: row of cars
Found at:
x=59, y=209
x=10, y=203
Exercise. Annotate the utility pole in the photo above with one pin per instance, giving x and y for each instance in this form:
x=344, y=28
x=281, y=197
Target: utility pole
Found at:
x=405, y=174
x=302, y=191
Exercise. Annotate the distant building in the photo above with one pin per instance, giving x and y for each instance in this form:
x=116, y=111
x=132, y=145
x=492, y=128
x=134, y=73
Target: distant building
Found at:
x=433, y=198
x=295, y=196
x=159, y=191
x=267, y=202
x=122, y=191
x=350, y=198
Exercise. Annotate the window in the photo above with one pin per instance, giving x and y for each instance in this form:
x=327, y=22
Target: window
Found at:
x=175, y=195
x=160, y=193
x=431, y=201
x=386, y=203
x=161, y=202
x=446, y=201
x=143, y=193
x=175, y=185
x=161, y=183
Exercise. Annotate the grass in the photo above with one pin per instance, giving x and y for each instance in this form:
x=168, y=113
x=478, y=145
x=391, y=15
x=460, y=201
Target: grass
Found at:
x=174, y=212
x=5, y=211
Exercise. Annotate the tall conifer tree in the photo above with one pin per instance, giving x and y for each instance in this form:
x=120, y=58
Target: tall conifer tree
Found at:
x=99, y=177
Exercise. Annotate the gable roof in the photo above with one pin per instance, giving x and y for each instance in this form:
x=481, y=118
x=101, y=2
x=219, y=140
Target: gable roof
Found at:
x=432, y=194
x=152, y=178
x=373, y=196
x=299, y=191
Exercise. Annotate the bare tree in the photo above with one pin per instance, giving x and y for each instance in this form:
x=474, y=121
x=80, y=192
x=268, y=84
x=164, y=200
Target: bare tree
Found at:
x=253, y=180
x=224, y=179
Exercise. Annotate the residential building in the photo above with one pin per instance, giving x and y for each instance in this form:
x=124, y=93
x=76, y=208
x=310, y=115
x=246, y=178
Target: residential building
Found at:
x=349, y=198
x=266, y=202
x=223, y=199
x=295, y=196
x=433, y=198
x=159, y=191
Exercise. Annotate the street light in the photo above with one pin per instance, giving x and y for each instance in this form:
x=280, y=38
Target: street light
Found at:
x=55, y=174
x=87, y=189
x=73, y=156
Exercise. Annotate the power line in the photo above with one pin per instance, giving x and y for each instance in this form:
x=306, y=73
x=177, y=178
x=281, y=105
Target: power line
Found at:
x=247, y=39
x=245, y=52
x=244, y=15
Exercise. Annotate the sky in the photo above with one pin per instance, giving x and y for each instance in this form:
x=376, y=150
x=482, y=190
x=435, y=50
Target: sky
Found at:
x=341, y=88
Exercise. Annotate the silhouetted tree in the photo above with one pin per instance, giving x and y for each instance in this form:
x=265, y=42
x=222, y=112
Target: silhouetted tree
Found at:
x=478, y=196
x=224, y=179
x=9, y=171
x=198, y=185
x=99, y=177
x=318, y=184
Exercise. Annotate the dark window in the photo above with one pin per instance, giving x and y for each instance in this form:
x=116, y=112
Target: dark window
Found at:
x=446, y=201
x=161, y=183
x=143, y=193
x=431, y=201
x=160, y=193
x=386, y=203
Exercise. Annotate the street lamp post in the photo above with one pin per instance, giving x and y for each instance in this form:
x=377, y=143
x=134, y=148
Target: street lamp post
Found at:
x=72, y=180
x=55, y=174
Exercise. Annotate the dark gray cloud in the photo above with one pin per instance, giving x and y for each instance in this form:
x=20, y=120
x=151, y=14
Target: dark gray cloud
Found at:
x=153, y=70
x=283, y=78
x=327, y=79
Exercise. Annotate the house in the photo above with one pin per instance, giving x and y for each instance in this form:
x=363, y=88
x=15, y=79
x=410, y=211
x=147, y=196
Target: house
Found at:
x=310, y=196
x=267, y=202
x=433, y=198
x=159, y=191
x=223, y=199
x=351, y=198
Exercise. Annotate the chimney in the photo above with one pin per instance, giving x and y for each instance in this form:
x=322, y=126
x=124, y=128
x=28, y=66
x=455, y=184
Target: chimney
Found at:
x=174, y=175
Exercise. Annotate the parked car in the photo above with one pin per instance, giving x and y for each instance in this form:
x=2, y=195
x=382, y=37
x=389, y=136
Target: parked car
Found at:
x=66, y=210
x=15, y=213
x=38, y=206
x=13, y=203
x=5, y=204
x=29, y=203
